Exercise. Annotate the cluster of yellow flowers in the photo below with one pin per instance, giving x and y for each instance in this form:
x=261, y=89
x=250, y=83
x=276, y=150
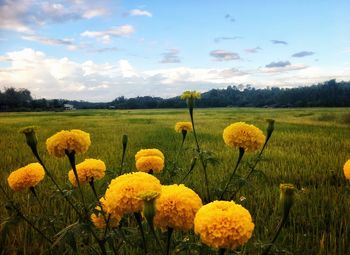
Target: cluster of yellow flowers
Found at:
x=122, y=195
x=88, y=170
x=183, y=127
x=223, y=225
x=220, y=224
x=347, y=169
x=26, y=177
x=149, y=160
x=242, y=135
x=74, y=140
x=176, y=207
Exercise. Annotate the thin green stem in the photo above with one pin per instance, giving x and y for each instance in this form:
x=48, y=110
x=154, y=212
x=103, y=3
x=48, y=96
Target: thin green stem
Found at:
x=105, y=218
x=20, y=214
x=190, y=170
x=36, y=154
x=150, y=223
x=221, y=251
x=125, y=143
x=168, y=241
x=200, y=156
x=139, y=223
x=241, y=153
x=178, y=153
x=252, y=169
x=71, y=157
x=32, y=189
x=277, y=232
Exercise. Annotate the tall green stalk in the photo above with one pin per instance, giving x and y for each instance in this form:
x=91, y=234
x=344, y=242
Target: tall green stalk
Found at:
x=240, y=156
x=200, y=156
x=71, y=157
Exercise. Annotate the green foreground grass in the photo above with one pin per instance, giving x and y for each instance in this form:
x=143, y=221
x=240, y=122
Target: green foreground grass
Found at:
x=308, y=149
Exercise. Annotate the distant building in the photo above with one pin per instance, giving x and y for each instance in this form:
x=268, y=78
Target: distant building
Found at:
x=68, y=107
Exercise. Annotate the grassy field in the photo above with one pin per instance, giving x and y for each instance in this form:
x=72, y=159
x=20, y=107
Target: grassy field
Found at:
x=308, y=149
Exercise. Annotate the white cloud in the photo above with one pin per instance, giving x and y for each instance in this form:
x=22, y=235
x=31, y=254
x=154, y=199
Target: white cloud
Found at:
x=11, y=12
x=89, y=14
x=138, y=12
x=105, y=36
x=52, y=77
x=25, y=15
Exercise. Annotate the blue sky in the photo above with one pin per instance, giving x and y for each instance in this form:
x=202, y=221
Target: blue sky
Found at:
x=99, y=50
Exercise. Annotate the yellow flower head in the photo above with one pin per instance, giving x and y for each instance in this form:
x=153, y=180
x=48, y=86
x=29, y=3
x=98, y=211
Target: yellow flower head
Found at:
x=88, y=170
x=122, y=195
x=99, y=221
x=149, y=159
x=26, y=177
x=150, y=163
x=191, y=95
x=148, y=152
x=242, y=135
x=176, y=207
x=183, y=126
x=74, y=140
x=347, y=170
x=223, y=224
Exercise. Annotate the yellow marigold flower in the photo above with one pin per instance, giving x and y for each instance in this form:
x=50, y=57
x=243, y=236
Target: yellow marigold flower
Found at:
x=26, y=177
x=88, y=170
x=223, y=224
x=74, y=140
x=98, y=220
x=347, y=170
x=191, y=95
x=183, y=126
x=176, y=207
x=148, y=152
x=122, y=195
x=150, y=163
x=242, y=135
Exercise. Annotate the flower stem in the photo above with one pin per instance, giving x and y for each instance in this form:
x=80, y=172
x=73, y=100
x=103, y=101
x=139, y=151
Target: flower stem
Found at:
x=252, y=169
x=20, y=214
x=222, y=251
x=36, y=154
x=125, y=144
x=106, y=218
x=241, y=153
x=168, y=243
x=194, y=160
x=178, y=152
x=32, y=189
x=139, y=223
x=71, y=157
x=277, y=232
x=82, y=217
x=150, y=223
x=200, y=156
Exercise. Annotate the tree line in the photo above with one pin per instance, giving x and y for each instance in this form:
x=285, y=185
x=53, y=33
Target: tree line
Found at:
x=327, y=94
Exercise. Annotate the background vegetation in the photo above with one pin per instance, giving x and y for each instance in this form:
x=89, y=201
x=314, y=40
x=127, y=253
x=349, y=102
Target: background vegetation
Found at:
x=327, y=94
x=308, y=149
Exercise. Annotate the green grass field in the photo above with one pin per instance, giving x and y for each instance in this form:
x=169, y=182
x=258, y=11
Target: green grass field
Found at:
x=308, y=149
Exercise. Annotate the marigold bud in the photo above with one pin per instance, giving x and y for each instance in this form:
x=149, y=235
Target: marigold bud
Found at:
x=287, y=192
x=270, y=128
x=31, y=138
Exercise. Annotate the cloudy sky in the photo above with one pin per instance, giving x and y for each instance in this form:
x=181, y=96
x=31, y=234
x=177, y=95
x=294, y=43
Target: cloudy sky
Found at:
x=99, y=50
